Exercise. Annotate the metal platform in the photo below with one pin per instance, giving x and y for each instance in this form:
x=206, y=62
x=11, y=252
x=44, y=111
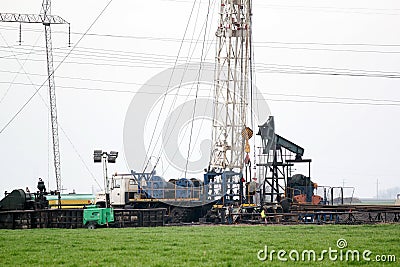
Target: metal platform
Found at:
x=340, y=214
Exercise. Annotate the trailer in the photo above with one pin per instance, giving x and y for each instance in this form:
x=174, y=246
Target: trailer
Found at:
x=74, y=218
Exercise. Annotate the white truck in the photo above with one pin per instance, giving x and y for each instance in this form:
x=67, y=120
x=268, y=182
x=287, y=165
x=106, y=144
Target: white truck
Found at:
x=122, y=188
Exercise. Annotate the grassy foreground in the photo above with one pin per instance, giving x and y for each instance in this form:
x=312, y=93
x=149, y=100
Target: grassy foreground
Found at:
x=192, y=246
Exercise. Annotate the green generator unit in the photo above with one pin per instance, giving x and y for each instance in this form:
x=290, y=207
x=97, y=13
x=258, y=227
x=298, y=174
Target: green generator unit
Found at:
x=94, y=216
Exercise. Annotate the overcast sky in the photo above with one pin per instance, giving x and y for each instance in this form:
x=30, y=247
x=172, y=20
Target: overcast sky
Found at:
x=329, y=70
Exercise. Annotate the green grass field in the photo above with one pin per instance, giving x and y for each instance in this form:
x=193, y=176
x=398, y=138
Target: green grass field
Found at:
x=192, y=246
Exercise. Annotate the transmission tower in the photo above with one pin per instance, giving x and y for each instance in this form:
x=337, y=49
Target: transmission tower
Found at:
x=46, y=19
x=231, y=85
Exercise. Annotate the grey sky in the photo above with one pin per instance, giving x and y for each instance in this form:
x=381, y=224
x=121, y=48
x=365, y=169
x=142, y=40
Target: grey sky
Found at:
x=356, y=142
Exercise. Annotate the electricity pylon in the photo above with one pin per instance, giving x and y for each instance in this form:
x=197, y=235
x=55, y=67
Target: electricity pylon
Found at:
x=46, y=19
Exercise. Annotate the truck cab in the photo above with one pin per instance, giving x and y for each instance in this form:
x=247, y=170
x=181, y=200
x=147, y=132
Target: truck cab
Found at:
x=122, y=188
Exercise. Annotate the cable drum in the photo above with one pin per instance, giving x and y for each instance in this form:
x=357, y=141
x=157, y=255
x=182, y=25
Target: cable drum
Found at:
x=155, y=187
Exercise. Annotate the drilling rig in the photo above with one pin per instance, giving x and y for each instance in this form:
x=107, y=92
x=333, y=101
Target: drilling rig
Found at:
x=229, y=170
x=231, y=93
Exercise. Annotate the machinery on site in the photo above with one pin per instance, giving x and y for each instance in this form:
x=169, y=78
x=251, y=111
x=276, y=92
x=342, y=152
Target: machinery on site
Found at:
x=70, y=201
x=277, y=158
x=236, y=187
x=224, y=183
x=93, y=216
x=189, y=200
x=228, y=179
x=186, y=200
x=21, y=209
x=19, y=199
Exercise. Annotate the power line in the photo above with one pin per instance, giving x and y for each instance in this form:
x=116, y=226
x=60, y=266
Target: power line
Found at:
x=186, y=68
x=330, y=9
x=47, y=106
x=147, y=58
x=302, y=67
x=381, y=102
x=21, y=66
x=145, y=164
x=154, y=58
x=160, y=85
x=84, y=79
x=257, y=43
x=333, y=102
x=334, y=97
x=350, y=10
x=284, y=69
x=332, y=50
x=37, y=90
x=197, y=89
x=190, y=57
x=188, y=95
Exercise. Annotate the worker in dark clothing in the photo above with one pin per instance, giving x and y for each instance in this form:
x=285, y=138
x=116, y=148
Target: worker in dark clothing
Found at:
x=41, y=186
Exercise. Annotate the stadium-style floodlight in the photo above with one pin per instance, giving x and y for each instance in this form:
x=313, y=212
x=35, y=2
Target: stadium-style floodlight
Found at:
x=102, y=156
x=97, y=155
x=112, y=156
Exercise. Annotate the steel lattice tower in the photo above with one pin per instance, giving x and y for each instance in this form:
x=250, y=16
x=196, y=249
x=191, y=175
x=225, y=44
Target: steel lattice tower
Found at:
x=46, y=12
x=231, y=85
x=46, y=19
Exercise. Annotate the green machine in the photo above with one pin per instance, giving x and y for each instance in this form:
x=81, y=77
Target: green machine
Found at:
x=94, y=216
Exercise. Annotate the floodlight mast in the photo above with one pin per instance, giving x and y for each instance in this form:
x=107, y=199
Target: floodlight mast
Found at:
x=231, y=85
x=106, y=184
x=46, y=19
x=104, y=157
